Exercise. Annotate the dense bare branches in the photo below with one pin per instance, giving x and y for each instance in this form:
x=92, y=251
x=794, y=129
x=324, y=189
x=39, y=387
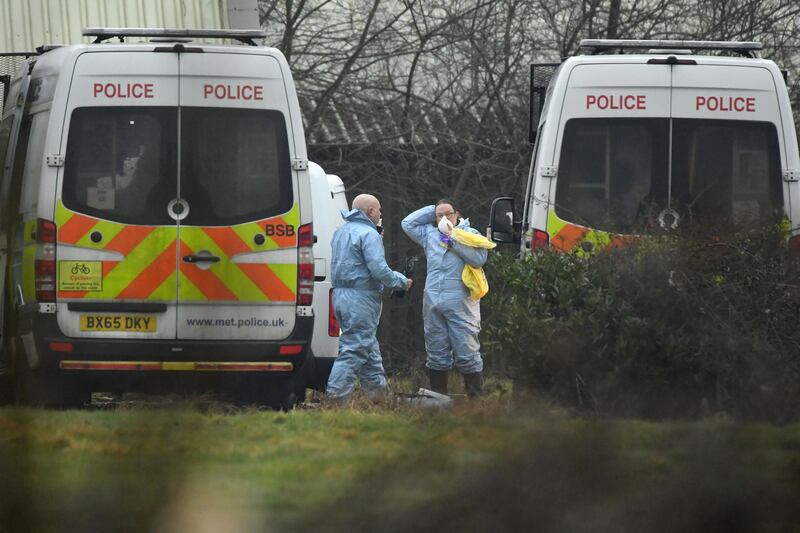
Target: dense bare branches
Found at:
x=419, y=99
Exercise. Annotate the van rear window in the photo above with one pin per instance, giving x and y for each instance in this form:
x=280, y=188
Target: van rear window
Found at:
x=235, y=165
x=121, y=163
x=618, y=175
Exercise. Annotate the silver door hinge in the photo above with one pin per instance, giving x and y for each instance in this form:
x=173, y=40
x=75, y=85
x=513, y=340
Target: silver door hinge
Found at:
x=55, y=160
x=299, y=164
x=791, y=175
x=48, y=308
x=549, y=171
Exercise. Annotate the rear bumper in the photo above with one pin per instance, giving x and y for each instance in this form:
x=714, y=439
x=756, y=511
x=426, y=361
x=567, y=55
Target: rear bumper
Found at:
x=56, y=352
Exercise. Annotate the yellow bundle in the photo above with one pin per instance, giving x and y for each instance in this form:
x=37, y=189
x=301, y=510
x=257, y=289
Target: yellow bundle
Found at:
x=473, y=277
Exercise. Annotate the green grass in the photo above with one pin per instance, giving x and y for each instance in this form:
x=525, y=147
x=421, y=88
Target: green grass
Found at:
x=396, y=469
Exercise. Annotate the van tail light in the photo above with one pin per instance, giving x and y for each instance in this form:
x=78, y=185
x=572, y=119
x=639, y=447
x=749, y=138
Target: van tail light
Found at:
x=540, y=239
x=291, y=349
x=333, y=324
x=45, y=261
x=305, y=265
x=794, y=246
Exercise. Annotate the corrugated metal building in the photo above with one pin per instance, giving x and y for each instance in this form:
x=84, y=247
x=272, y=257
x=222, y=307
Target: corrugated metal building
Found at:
x=26, y=24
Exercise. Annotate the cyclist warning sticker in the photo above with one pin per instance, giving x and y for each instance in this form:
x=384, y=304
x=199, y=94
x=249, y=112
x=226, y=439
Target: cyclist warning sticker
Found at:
x=80, y=275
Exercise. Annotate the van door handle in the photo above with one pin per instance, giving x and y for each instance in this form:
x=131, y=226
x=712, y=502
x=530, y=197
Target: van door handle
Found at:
x=200, y=259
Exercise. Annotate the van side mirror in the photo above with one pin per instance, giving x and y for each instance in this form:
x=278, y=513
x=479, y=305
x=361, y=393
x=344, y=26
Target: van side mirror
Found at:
x=502, y=228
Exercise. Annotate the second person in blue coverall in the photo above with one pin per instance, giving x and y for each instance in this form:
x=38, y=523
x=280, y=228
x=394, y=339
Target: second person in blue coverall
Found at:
x=452, y=319
x=359, y=274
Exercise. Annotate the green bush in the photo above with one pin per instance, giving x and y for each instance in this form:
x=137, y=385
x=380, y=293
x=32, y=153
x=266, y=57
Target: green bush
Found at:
x=660, y=328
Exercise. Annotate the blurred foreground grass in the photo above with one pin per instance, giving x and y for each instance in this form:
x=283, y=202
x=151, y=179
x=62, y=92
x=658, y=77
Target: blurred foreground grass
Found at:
x=483, y=467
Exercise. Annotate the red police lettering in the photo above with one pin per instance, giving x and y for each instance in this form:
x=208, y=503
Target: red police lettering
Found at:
x=223, y=91
x=628, y=102
x=123, y=90
x=739, y=104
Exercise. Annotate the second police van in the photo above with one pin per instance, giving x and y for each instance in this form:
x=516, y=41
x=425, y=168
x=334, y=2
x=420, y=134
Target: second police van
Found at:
x=636, y=137
x=328, y=198
x=156, y=217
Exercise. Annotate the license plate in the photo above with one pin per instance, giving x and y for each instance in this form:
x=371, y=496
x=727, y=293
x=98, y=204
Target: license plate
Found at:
x=126, y=323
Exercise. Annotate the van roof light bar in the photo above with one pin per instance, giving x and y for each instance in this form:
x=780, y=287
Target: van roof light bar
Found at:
x=243, y=36
x=597, y=46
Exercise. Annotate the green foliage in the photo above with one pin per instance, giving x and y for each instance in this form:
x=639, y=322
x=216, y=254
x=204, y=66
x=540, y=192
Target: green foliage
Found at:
x=661, y=328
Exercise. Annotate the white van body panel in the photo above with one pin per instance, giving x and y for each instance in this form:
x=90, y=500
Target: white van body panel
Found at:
x=328, y=197
x=615, y=90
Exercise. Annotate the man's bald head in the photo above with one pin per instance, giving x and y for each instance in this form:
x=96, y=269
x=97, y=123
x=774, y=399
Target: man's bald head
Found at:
x=369, y=205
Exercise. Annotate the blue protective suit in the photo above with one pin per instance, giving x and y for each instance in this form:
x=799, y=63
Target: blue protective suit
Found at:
x=359, y=274
x=452, y=319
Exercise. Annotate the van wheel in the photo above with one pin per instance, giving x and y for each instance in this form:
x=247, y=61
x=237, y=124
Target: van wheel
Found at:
x=43, y=389
x=271, y=391
x=277, y=393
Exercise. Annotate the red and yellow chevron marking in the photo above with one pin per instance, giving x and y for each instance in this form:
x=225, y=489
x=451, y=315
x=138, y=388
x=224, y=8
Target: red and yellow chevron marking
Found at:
x=566, y=237
x=228, y=280
x=152, y=270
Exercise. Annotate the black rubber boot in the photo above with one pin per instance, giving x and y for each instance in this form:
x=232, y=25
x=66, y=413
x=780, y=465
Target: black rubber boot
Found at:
x=473, y=384
x=438, y=380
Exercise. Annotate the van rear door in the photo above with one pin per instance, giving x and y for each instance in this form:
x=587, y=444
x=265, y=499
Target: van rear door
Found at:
x=726, y=161
x=613, y=141
x=237, y=273
x=116, y=234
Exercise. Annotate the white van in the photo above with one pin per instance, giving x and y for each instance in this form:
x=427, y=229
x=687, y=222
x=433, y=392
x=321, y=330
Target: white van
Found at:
x=328, y=198
x=659, y=140
x=156, y=217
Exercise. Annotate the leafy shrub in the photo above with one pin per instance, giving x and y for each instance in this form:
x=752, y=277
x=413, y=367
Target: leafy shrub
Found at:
x=660, y=328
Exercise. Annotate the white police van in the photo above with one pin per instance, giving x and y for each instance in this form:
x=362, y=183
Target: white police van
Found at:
x=328, y=198
x=156, y=218
x=658, y=140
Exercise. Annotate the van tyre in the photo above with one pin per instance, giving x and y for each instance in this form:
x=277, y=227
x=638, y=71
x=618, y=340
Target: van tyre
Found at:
x=45, y=389
x=277, y=393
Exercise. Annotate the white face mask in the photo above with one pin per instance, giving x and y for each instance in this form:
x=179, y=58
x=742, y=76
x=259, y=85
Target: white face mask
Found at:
x=445, y=226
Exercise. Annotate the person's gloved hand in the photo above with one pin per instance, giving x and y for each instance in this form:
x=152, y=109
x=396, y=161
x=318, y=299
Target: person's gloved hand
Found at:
x=446, y=239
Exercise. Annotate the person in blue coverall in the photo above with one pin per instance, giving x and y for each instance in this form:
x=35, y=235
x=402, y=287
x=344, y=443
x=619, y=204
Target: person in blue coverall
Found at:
x=451, y=318
x=359, y=274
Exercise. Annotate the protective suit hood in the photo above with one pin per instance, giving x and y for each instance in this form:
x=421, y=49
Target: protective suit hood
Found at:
x=356, y=215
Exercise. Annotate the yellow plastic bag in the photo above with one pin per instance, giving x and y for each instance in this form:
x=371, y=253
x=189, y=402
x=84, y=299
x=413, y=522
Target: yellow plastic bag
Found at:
x=475, y=280
x=473, y=277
